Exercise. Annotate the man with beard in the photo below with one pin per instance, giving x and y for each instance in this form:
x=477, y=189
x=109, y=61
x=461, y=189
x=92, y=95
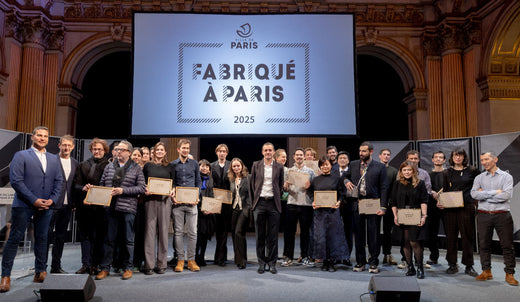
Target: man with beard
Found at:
x=368, y=178
x=91, y=218
x=37, y=180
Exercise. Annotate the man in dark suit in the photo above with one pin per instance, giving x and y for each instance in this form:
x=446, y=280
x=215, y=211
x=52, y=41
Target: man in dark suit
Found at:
x=369, y=179
x=219, y=171
x=63, y=207
x=266, y=188
x=37, y=180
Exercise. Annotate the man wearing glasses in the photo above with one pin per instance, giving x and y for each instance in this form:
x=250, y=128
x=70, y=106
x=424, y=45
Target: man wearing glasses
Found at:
x=127, y=181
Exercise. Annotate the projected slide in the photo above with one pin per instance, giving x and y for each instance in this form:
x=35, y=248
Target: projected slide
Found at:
x=205, y=74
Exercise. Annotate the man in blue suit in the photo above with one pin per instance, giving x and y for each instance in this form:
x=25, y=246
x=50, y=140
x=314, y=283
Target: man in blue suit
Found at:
x=37, y=180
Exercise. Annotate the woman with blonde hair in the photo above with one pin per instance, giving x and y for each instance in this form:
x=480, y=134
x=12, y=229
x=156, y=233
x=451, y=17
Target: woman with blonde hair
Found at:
x=409, y=192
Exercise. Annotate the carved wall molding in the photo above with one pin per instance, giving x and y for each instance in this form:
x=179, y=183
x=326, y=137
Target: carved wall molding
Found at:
x=501, y=87
x=35, y=29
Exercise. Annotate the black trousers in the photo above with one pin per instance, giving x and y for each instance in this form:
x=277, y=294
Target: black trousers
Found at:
x=57, y=232
x=239, y=224
x=295, y=214
x=92, y=228
x=503, y=224
x=460, y=220
x=434, y=220
x=388, y=224
x=267, y=223
x=366, y=227
x=222, y=227
x=347, y=215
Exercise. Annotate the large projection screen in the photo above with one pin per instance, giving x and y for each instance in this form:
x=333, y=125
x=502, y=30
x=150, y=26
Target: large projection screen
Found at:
x=214, y=74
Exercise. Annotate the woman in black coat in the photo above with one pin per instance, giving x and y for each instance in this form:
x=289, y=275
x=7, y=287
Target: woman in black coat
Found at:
x=241, y=205
x=409, y=192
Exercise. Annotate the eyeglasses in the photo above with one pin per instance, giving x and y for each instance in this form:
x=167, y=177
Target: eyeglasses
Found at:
x=120, y=149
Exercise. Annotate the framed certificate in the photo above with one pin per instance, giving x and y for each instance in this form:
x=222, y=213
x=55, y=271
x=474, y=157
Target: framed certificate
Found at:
x=369, y=206
x=297, y=178
x=99, y=196
x=451, y=199
x=159, y=186
x=409, y=216
x=223, y=195
x=325, y=199
x=188, y=195
x=211, y=205
x=313, y=164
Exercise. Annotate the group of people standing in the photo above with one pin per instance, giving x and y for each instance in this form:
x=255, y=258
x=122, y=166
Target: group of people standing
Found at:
x=134, y=229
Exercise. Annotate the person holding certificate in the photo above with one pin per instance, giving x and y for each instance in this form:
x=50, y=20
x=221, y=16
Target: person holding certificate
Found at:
x=206, y=221
x=126, y=179
x=460, y=177
x=409, y=192
x=157, y=208
x=330, y=244
x=299, y=209
x=240, y=190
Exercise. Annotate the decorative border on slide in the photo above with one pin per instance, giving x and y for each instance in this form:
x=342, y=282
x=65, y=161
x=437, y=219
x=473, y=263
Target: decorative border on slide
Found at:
x=307, y=117
x=180, y=119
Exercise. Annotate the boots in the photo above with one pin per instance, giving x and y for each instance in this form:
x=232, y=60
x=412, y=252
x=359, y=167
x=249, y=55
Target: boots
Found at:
x=486, y=275
x=420, y=271
x=192, y=266
x=180, y=266
x=411, y=269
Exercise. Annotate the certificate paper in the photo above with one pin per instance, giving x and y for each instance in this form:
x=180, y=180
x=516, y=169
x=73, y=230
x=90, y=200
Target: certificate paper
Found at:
x=369, y=206
x=223, y=195
x=409, y=216
x=211, y=205
x=313, y=164
x=187, y=195
x=451, y=199
x=325, y=199
x=159, y=186
x=99, y=196
x=298, y=178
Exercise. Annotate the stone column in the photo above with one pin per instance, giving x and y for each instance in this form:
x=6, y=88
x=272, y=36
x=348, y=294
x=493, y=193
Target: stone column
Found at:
x=454, y=106
x=471, y=59
x=52, y=66
x=434, y=84
x=14, y=50
x=66, y=110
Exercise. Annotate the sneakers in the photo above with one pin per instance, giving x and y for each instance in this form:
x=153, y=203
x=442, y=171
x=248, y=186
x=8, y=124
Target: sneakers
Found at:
x=453, y=269
x=389, y=260
x=308, y=262
x=373, y=269
x=286, y=261
x=359, y=268
x=402, y=265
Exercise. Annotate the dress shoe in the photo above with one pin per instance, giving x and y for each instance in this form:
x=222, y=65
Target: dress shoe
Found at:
x=5, y=284
x=510, y=279
x=192, y=266
x=261, y=268
x=58, y=270
x=83, y=270
x=273, y=269
x=148, y=272
x=347, y=262
x=470, y=271
x=180, y=266
x=160, y=271
x=39, y=277
x=102, y=275
x=127, y=274
x=486, y=275
x=453, y=269
x=94, y=271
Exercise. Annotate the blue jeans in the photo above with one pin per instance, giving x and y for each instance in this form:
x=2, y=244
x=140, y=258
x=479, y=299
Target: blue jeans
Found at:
x=124, y=223
x=20, y=217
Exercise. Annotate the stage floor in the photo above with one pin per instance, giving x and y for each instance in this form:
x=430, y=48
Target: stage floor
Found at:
x=294, y=283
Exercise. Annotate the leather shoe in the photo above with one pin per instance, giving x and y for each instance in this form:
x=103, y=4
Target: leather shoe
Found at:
x=127, y=274
x=39, y=277
x=510, y=279
x=160, y=271
x=5, y=284
x=486, y=275
x=102, y=275
x=470, y=271
x=58, y=270
x=273, y=269
x=453, y=269
x=261, y=269
x=83, y=270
